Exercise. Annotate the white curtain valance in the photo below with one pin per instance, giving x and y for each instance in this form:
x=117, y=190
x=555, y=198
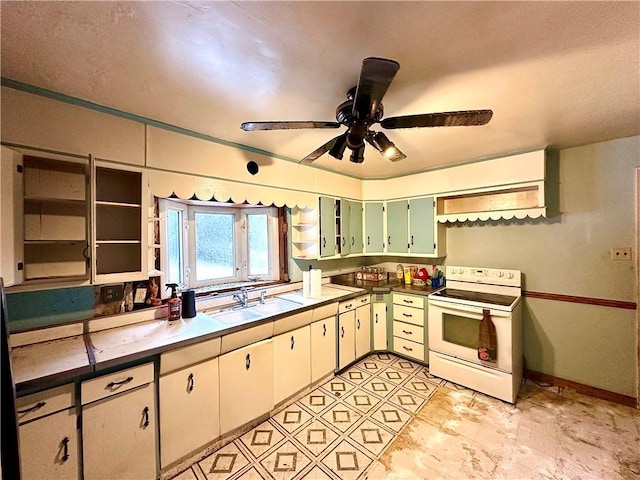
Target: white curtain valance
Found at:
x=164, y=184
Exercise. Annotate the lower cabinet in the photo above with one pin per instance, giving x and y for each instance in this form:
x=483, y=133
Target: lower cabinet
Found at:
x=48, y=435
x=354, y=330
x=118, y=425
x=409, y=321
x=246, y=384
x=291, y=363
x=323, y=348
x=189, y=410
x=379, y=322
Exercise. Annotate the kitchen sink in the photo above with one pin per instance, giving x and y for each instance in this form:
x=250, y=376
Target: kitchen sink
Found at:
x=271, y=306
x=236, y=316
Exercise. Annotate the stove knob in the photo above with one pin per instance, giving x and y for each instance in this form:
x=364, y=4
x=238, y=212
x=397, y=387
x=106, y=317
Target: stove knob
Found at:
x=453, y=271
x=509, y=275
x=500, y=274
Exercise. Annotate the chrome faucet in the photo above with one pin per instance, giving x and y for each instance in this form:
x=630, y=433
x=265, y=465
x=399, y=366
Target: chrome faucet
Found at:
x=262, y=294
x=242, y=297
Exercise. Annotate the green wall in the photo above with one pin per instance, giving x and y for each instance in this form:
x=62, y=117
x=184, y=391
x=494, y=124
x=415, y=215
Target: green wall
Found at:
x=569, y=253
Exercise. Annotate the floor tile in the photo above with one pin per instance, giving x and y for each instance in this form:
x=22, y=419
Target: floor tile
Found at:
x=346, y=461
x=379, y=387
x=337, y=387
x=341, y=417
x=186, y=475
x=405, y=365
x=317, y=473
x=317, y=401
x=387, y=358
x=371, y=436
x=407, y=400
x=393, y=375
x=372, y=365
x=286, y=462
x=292, y=418
x=420, y=387
x=316, y=436
x=391, y=416
x=224, y=463
x=262, y=439
x=361, y=400
x=252, y=474
x=356, y=375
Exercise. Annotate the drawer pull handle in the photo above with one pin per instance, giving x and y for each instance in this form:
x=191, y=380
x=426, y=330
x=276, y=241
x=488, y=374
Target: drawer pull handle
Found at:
x=248, y=361
x=190, y=383
x=34, y=408
x=368, y=240
x=407, y=301
x=358, y=324
x=324, y=242
x=407, y=315
x=353, y=241
x=363, y=300
x=376, y=318
x=324, y=329
x=408, y=332
x=344, y=241
x=293, y=342
x=65, y=449
x=348, y=307
x=118, y=384
x=389, y=240
x=145, y=414
x=342, y=331
x=408, y=348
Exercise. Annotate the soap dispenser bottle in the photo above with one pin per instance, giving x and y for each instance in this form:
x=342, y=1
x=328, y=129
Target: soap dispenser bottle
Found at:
x=174, y=303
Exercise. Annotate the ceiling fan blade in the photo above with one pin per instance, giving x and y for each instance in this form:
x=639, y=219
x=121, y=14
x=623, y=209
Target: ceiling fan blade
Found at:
x=444, y=119
x=251, y=126
x=318, y=152
x=375, y=77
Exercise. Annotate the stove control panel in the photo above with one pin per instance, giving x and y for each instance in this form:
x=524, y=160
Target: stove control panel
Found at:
x=493, y=276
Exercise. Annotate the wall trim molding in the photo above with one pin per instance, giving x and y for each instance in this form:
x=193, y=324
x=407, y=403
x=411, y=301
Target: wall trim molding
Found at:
x=602, y=302
x=581, y=388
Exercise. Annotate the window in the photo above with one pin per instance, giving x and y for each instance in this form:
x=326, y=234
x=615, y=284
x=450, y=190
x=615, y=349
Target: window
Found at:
x=212, y=243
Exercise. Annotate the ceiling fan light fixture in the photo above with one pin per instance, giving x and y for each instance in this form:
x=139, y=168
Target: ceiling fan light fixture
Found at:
x=357, y=154
x=386, y=147
x=338, y=148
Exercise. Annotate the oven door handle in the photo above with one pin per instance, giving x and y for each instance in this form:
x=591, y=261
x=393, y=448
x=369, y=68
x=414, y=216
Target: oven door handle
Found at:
x=460, y=307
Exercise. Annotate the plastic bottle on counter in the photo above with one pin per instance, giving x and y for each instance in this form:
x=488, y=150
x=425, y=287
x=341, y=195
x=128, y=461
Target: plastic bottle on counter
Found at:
x=174, y=304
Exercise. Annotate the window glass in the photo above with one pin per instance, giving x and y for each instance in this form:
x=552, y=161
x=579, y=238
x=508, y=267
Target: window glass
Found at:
x=214, y=242
x=258, y=244
x=174, y=246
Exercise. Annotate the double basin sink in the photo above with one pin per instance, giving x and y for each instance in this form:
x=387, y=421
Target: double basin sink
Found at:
x=253, y=311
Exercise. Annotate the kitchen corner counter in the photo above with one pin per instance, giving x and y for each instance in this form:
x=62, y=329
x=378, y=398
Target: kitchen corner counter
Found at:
x=381, y=286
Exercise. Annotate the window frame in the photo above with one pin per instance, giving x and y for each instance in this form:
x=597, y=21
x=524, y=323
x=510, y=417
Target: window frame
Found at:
x=188, y=209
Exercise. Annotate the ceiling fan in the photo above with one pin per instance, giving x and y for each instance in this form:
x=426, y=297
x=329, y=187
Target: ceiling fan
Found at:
x=363, y=109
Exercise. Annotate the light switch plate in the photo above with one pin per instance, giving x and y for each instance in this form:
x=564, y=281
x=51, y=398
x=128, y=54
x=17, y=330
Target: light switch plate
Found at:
x=621, y=253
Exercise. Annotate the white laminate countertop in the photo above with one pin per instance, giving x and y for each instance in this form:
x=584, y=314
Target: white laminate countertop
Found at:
x=77, y=355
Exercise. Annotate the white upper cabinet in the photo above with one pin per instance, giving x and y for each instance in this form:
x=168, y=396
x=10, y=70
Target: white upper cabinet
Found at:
x=11, y=217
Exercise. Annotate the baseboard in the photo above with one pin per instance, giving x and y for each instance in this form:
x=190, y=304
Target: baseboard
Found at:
x=581, y=388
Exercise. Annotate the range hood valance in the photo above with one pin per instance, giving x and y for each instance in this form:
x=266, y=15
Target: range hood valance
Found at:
x=164, y=184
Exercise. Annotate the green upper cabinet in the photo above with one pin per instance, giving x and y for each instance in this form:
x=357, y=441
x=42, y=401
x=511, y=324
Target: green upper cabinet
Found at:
x=397, y=226
x=421, y=226
x=355, y=225
x=327, y=226
x=374, y=227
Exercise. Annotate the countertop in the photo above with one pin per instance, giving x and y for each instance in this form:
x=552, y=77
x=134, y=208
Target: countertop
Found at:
x=44, y=364
x=381, y=286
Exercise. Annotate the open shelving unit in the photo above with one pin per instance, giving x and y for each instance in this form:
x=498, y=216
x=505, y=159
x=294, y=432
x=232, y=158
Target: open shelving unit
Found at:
x=304, y=233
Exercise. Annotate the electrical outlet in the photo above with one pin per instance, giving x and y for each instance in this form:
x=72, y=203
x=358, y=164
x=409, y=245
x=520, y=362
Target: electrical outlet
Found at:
x=621, y=253
x=111, y=293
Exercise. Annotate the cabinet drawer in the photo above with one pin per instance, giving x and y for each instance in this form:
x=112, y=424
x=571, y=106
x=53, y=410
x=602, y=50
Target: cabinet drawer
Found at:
x=408, y=332
x=353, y=303
x=408, y=314
x=409, y=348
x=191, y=355
x=116, y=382
x=45, y=402
x=408, y=300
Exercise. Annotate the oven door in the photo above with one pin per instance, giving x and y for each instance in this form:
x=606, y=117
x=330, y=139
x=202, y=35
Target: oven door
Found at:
x=454, y=330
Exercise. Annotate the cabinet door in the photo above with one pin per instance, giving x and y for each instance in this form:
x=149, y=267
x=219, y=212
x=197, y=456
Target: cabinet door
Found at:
x=374, y=227
x=120, y=208
x=421, y=225
x=11, y=217
x=323, y=348
x=189, y=410
x=363, y=330
x=379, y=322
x=355, y=227
x=397, y=226
x=49, y=447
x=119, y=436
x=346, y=338
x=344, y=236
x=246, y=384
x=327, y=227
x=291, y=363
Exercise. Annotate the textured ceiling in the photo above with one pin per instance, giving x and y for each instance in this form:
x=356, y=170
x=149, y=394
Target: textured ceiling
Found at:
x=554, y=73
